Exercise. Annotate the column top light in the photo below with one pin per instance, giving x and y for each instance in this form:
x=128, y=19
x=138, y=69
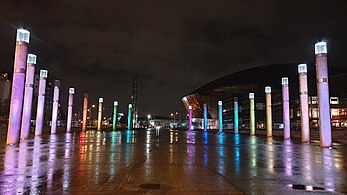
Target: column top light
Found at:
x=267, y=89
x=71, y=90
x=23, y=35
x=43, y=73
x=31, y=59
x=285, y=81
x=320, y=47
x=302, y=68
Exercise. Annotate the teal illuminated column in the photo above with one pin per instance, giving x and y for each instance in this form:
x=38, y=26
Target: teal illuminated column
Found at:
x=205, y=117
x=268, y=111
x=55, y=107
x=41, y=102
x=286, y=113
x=20, y=61
x=130, y=106
x=236, y=115
x=321, y=52
x=85, y=112
x=114, y=124
x=69, y=110
x=101, y=100
x=305, y=121
x=220, y=106
x=190, y=108
x=252, y=114
x=28, y=96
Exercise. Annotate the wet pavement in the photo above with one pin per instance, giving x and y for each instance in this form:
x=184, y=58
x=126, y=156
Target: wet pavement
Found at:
x=169, y=162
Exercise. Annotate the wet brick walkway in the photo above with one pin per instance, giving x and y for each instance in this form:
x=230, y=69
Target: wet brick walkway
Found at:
x=169, y=162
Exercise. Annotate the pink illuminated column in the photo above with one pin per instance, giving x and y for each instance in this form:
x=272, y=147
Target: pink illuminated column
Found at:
x=41, y=102
x=323, y=94
x=20, y=61
x=268, y=111
x=55, y=106
x=286, y=113
x=305, y=123
x=85, y=112
x=69, y=110
x=28, y=96
x=190, y=117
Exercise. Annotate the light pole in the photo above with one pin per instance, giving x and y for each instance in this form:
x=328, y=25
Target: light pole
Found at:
x=85, y=111
x=114, y=124
x=268, y=111
x=252, y=113
x=101, y=100
x=220, y=104
x=40, y=102
x=16, y=103
x=286, y=113
x=69, y=109
x=149, y=118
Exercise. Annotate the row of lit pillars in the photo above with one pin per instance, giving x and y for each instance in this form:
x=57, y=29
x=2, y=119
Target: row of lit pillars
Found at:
x=323, y=103
x=22, y=93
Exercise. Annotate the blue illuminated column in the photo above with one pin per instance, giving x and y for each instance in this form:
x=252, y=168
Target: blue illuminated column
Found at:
x=18, y=81
x=205, y=117
x=286, y=113
x=41, y=102
x=236, y=115
x=220, y=106
x=323, y=94
x=28, y=96
x=114, y=123
x=268, y=111
x=69, y=110
x=129, y=116
x=303, y=89
x=252, y=114
x=55, y=106
x=101, y=100
x=190, y=108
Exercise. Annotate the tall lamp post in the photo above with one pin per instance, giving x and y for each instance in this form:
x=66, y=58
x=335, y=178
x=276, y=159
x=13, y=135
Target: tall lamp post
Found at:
x=19, y=69
x=114, y=124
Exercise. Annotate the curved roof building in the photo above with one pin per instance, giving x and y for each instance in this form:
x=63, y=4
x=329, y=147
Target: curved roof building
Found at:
x=239, y=84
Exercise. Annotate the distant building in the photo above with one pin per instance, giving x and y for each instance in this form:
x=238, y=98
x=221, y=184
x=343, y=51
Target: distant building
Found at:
x=239, y=84
x=5, y=88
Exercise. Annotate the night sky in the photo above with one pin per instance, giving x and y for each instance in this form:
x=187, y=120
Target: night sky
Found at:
x=173, y=46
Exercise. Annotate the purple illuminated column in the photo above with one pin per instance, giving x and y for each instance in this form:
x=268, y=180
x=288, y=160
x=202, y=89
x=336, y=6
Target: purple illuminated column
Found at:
x=20, y=61
x=101, y=100
x=323, y=94
x=286, y=113
x=28, y=96
x=305, y=123
x=268, y=111
x=55, y=106
x=69, y=110
x=190, y=117
x=85, y=111
x=41, y=102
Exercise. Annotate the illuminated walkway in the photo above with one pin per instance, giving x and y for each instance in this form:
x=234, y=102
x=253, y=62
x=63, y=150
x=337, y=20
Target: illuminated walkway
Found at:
x=172, y=162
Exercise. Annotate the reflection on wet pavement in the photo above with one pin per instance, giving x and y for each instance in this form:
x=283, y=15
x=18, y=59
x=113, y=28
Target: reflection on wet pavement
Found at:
x=170, y=162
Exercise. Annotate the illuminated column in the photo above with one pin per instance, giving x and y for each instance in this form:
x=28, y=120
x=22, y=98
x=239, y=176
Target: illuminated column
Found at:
x=28, y=96
x=20, y=61
x=55, y=106
x=303, y=89
x=129, y=116
x=220, y=116
x=190, y=108
x=252, y=114
x=236, y=115
x=286, y=113
x=85, y=112
x=101, y=100
x=323, y=94
x=268, y=111
x=205, y=117
x=41, y=102
x=114, y=124
x=69, y=110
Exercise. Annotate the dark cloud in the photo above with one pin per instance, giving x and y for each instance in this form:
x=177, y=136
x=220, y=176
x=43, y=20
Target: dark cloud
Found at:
x=174, y=46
